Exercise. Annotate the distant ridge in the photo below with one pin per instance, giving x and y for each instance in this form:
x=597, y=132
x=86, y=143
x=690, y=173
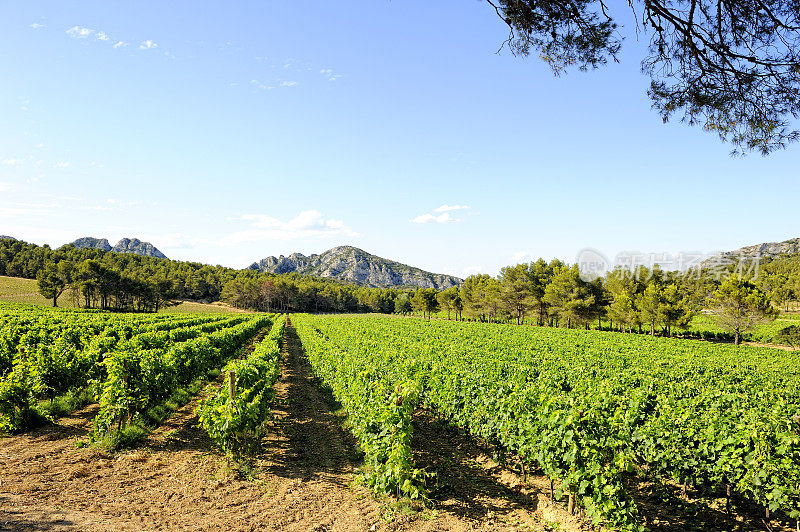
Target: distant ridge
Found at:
x=768, y=249
x=93, y=243
x=126, y=245
x=348, y=263
x=7, y=237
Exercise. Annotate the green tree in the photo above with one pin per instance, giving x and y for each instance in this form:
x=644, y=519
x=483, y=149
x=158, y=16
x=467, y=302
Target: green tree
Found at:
x=446, y=299
x=402, y=305
x=649, y=306
x=516, y=291
x=54, y=279
x=730, y=67
x=569, y=297
x=675, y=310
x=541, y=273
x=475, y=296
x=458, y=304
x=739, y=305
x=424, y=300
x=622, y=310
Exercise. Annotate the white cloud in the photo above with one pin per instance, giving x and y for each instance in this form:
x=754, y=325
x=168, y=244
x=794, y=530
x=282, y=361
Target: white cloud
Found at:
x=78, y=32
x=4, y=187
x=120, y=44
x=521, y=256
x=102, y=36
x=115, y=201
x=22, y=209
x=258, y=84
x=62, y=164
x=447, y=208
x=471, y=270
x=36, y=25
x=289, y=83
x=147, y=45
x=12, y=162
x=328, y=73
x=431, y=218
x=307, y=224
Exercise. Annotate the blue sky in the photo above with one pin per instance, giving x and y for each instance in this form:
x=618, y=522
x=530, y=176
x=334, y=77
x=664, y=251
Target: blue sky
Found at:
x=228, y=132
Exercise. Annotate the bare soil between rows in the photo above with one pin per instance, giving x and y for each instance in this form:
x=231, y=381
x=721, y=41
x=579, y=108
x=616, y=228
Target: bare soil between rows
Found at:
x=302, y=479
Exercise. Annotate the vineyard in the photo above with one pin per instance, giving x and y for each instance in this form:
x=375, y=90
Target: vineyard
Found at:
x=133, y=364
x=589, y=413
x=590, y=410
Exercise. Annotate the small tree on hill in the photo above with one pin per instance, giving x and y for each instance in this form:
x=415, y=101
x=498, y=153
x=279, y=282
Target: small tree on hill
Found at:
x=739, y=306
x=569, y=297
x=425, y=301
x=53, y=279
x=446, y=299
x=675, y=310
x=458, y=304
x=402, y=305
x=622, y=310
x=649, y=305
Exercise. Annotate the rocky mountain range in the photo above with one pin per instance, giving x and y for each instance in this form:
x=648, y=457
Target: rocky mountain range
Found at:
x=92, y=243
x=768, y=249
x=355, y=265
x=126, y=245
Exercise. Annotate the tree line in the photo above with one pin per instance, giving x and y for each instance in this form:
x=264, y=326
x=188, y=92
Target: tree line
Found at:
x=126, y=281
x=644, y=300
x=542, y=293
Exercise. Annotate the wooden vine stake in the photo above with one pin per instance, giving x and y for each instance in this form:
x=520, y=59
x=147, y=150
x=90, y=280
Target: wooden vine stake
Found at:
x=232, y=383
x=728, y=498
x=571, y=504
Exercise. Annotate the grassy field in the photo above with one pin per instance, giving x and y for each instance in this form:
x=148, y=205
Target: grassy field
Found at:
x=702, y=323
x=18, y=290
x=763, y=333
x=192, y=307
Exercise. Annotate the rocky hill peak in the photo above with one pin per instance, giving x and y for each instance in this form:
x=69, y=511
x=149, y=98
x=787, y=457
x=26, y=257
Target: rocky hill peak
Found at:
x=348, y=263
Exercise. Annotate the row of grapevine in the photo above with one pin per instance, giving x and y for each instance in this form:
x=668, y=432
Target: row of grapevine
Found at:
x=231, y=420
x=139, y=379
x=587, y=408
x=70, y=357
x=24, y=331
x=55, y=352
x=378, y=405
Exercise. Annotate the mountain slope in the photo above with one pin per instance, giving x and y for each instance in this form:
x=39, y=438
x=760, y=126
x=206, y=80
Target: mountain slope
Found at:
x=92, y=243
x=767, y=249
x=126, y=245
x=134, y=245
x=355, y=265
